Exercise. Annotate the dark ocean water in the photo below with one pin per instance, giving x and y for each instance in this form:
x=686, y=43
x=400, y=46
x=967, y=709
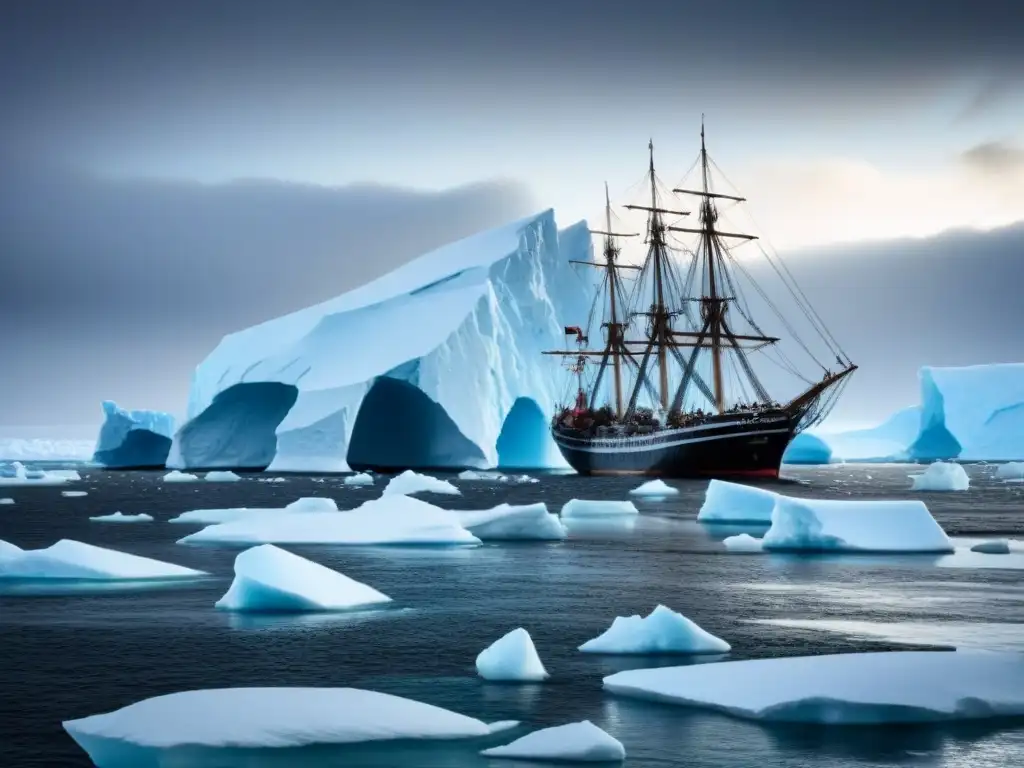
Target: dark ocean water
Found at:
x=65, y=656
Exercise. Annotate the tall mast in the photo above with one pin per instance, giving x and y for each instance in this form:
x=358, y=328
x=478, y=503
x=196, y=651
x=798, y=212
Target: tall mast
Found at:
x=714, y=306
x=614, y=328
x=660, y=315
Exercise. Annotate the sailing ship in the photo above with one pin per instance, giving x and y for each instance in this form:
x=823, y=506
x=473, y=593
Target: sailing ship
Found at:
x=686, y=325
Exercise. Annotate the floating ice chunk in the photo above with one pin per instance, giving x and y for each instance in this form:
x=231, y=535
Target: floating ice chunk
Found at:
x=522, y=479
x=361, y=478
x=272, y=579
x=410, y=482
x=69, y=559
x=528, y=522
x=19, y=474
x=473, y=474
x=854, y=688
x=577, y=742
x=994, y=547
x=941, y=476
x=726, y=502
x=806, y=448
x=661, y=631
x=392, y=519
x=595, y=508
x=74, y=494
x=221, y=476
x=655, y=488
x=512, y=658
x=273, y=480
x=120, y=517
x=174, y=476
x=133, y=439
x=6, y=501
x=744, y=542
x=1011, y=470
x=263, y=718
x=854, y=526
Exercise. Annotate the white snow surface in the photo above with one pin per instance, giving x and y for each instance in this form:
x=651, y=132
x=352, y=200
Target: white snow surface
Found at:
x=265, y=718
x=221, y=476
x=474, y=315
x=174, y=476
x=41, y=449
x=17, y=473
x=358, y=479
x=525, y=522
x=850, y=525
x=979, y=408
x=271, y=579
x=513, y=657
x=395, y=519
x=854, y=688
x=410, y=482
x=726, y=502
x=597, y=508
x=654, y=488
x=580, y=742
x=68, y=559
x=743, y=542
x=941, y=476
x=661, y=631
x=120, y=517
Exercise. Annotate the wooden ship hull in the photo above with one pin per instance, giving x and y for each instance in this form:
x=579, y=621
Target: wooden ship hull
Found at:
x=727, y=448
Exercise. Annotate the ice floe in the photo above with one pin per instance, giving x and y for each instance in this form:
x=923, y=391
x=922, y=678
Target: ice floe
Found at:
x=271, y=579
x=410, y=482
x=743, y=542
x=174, y=476
x=216, y=516
x=661, y=631
x=359, y=479
x=74, y=494
x=941, y=476
x=120, y=517
x=263, y=718
x=511, y=658
x=726, y=502
x=591, y=508
x=654, y=488
x=1011, y=470
x=6, y=501
x=855, y=688
x=221, y=476
x=526, y=522
x=993, y=547
x=68, y=559
x=576, y=742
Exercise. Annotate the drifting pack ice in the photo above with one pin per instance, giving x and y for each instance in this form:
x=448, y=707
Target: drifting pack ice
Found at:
x=444, y=351
x=133, y=439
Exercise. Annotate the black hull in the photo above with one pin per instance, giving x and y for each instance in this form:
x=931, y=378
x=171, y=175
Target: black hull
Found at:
x=728, y=449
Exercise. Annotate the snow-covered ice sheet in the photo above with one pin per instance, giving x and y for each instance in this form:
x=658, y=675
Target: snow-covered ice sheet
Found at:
x=263, y=718
x=654, y=489
x=120, y=517
x=526, y=522
x=941, y=476
x=661, y=631
x=410, y=482
x=580, y=742
x=271, y=579
x=591, y=508
x=850, y=525
x=395, y=519
x=133, y=438
x=855, y=688
x=68, y=559
x=511, y=658
x=726, y=502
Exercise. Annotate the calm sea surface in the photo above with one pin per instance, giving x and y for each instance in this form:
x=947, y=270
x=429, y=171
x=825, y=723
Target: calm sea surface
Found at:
x=65, y=656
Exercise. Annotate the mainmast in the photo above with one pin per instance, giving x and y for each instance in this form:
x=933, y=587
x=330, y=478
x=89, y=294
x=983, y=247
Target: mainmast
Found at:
x=614, y=327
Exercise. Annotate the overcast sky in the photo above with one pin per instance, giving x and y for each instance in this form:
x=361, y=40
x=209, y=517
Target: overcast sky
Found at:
x=130, y=246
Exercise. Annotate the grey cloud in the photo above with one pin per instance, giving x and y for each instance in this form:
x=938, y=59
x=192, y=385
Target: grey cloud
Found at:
x=994, y=157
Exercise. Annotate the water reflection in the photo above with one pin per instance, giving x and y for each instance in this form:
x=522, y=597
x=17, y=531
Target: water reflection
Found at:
x=290, y=621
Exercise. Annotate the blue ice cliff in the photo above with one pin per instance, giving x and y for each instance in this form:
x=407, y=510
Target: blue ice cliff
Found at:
x=133, y=439
x=436, y=364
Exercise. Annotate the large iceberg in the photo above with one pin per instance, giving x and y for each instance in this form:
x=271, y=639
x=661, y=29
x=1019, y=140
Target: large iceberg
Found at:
x=444, y=351
x=254, y=718
x=855, y=688
x=133, y=439
x=974, y=413
x=69, y=559
x=271, y=579
x=580, y=742
x=889, y=441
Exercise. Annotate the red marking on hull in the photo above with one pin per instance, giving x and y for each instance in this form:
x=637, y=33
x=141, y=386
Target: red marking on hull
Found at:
x=766, y=473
